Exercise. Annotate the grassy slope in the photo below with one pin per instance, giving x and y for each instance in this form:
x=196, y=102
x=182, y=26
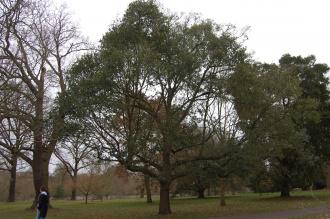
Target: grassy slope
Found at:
x=182, y=208
x=326, y=216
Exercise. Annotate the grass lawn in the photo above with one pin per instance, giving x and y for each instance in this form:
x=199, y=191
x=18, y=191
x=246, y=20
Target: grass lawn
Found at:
x=326, y=216
x=185, y=208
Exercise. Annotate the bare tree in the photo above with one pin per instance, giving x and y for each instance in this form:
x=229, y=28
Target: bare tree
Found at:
x=91, y=182
x=37, y=41
x=144, y=186
x=14, y=139
x=227, y=139
x=75, y=154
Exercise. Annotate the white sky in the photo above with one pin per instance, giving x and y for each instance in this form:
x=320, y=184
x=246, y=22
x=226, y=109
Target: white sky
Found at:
x=298, y=27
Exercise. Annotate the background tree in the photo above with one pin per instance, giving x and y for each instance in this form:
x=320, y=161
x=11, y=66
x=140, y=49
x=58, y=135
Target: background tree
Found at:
x=197, y=181
x=259, y=179
x=144, y=186
x=37, y=41
x=75, y=153
x=14, y=139
x=90, y=182
x=272, y=115
x=58, y=182
x=314, y=85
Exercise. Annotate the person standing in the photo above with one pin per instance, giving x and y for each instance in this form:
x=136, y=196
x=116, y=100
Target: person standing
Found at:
x=43, y=201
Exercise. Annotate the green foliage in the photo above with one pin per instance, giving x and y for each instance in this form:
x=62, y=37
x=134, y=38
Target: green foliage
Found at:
x=272, y=115
x=313, y=82
x=151, y=74
x=59, y=192
x=149, y=98
x=142, y=95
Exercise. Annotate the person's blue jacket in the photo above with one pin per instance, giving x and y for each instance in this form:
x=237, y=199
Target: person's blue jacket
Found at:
x=43, y=201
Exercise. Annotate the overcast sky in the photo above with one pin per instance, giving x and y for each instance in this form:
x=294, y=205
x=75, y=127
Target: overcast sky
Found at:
x=298, y=27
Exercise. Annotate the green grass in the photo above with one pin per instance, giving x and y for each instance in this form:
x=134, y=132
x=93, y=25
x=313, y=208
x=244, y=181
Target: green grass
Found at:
x=323, y=216
x=326, y=216
x=187, y=208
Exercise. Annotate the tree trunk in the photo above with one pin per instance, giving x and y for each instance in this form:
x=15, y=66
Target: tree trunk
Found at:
x=232, y=186
x=148, y=190
x=74, y=191
x=209, y=191
x=215, y=190
x=285, y=190
x=327, y=174
x=164, y=204
x=40, y=165
x=201, y=193
x=12, y=186
x=86, y=198
x=222, y=198
x=141, y=192
x=74, y=187
x=222, y=192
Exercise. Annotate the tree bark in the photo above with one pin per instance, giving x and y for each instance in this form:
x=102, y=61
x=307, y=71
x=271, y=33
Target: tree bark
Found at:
x=164, y=204
x=40, y=165
x=141, y=192
x=12, y=186
x=222, y=199
x=148, y=190
x=74, y=191
x=285, y=190
x=209, y=191
x=165, y=178
x=222, y=192
x=201, y=193
x=74, y=187
x=86, y=198
x=39, y=162
x=215, y=190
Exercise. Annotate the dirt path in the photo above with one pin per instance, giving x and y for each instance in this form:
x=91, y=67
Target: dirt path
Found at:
x=282, y=214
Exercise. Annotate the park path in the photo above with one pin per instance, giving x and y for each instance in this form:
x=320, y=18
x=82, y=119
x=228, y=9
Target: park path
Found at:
x=282, y=214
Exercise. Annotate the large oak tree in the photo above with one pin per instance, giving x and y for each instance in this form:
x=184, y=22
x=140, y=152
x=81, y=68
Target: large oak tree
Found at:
x=149, y=83
x=37, y=40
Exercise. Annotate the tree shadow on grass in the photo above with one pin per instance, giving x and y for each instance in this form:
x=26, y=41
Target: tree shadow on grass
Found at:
x=210, y=198
x=291, y=198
